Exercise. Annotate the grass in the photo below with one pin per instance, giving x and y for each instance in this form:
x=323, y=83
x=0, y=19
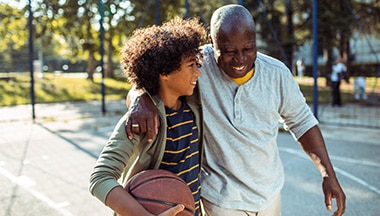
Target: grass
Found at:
x=324, y=92
x=15, y=89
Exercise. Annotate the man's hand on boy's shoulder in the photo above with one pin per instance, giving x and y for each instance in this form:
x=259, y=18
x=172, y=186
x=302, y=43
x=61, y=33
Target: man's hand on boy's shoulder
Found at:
x=142, y=118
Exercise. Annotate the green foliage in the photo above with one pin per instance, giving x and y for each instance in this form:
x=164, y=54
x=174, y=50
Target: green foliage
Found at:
x=12, y=28
x=15, y=90
x=69, y=30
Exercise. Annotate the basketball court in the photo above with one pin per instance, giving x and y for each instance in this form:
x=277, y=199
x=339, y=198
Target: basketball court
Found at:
x=45, y=165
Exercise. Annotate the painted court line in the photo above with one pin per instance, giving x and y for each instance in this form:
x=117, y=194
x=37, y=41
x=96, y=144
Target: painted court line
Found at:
x=353, y=161
x=26, y=183
x=360, y=181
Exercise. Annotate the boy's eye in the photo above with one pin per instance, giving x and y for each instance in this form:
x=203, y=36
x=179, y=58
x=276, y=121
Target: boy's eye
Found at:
x=197, y=64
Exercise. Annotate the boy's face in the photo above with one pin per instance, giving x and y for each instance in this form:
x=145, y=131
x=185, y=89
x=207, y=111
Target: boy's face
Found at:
x=183, y=81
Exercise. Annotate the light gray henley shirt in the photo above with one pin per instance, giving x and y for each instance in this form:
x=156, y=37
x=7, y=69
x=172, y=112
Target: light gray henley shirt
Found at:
x=242, y=168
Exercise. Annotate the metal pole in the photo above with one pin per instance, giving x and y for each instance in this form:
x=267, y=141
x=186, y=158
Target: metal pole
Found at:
x=31, y=57
x=315, y=57
x=101, y=37
x=157, y=12
x=187, y=6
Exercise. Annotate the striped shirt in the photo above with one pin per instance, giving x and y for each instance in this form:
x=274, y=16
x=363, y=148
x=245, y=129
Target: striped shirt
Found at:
x=182, y=149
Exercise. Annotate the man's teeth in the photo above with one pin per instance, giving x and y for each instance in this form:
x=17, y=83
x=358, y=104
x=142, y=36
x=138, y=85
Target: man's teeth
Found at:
x=193, y=83
x=239, y=68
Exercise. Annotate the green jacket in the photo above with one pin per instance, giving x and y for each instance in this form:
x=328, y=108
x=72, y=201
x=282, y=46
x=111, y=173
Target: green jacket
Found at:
x=122, y=158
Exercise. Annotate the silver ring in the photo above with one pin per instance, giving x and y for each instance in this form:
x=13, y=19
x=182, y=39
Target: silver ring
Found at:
x=135, y=125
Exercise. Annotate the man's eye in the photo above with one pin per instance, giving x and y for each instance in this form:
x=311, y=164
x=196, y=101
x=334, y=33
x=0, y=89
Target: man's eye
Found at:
x=248, y=49
x=199, y=65
x=229, y=52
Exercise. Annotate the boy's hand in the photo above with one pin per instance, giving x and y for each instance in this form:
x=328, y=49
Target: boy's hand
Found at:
x=173, y=211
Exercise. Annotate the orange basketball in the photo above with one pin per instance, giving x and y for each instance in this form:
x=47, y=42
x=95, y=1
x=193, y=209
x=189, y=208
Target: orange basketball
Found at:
x=158, y=190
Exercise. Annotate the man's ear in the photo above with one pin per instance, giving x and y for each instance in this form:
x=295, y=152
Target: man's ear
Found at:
x=210, y=39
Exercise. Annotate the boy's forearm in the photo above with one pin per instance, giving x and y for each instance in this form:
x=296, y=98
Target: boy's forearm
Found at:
x=124, y=204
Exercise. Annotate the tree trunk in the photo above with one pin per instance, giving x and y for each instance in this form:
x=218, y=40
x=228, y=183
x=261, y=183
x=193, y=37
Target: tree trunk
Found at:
x=90, y=46
x=290, y=34
x=90, y=65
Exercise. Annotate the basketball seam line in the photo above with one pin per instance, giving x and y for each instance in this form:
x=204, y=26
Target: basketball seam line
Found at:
x=158, y=177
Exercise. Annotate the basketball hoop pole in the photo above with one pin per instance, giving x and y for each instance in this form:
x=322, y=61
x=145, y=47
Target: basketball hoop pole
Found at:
x=31, y=56
x=315, y=57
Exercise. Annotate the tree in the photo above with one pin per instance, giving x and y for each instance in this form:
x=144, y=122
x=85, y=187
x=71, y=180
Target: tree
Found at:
x=70, y=29
x=274, y=21
x=337, y=23
x=14, y=36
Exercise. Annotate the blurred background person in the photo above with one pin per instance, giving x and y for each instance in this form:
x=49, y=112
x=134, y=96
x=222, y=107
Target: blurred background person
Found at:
x=300, y=67
x=338, y=69
x=359, y=87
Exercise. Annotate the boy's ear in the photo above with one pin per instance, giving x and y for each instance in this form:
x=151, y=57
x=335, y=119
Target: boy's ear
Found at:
x=163, y=76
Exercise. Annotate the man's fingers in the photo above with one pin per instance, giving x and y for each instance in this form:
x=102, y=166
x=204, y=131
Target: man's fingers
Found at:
x=128, y=128
x=156, y=124
x=152, y=125
x=332, y=190
x=140, y=127
x=136, y=128
x=341, y=204
x=328, y=201
x=150, y=130
x=143, y=118
x=129, y=132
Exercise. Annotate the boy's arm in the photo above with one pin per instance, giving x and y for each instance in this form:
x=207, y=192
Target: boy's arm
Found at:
x=124, y=204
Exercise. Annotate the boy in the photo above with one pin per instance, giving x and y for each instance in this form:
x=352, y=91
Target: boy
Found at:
x=163, y=60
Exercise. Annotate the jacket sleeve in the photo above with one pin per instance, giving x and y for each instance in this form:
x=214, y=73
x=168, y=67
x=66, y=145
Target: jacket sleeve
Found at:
x=118, y=153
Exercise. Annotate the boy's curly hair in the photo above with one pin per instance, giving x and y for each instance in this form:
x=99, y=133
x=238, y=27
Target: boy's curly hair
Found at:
x=159, y=50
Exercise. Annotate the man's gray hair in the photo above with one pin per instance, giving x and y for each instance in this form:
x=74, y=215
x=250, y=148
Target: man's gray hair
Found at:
x=229, y=13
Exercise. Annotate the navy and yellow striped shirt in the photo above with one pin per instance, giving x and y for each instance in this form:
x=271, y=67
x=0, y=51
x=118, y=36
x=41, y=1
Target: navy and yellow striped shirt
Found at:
x=182, y=149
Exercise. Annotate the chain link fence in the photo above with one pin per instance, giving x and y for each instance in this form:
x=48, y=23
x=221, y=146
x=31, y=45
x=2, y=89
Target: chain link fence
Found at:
x=354, y=112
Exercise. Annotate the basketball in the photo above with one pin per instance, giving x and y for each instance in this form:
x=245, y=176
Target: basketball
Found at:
x=158, y=190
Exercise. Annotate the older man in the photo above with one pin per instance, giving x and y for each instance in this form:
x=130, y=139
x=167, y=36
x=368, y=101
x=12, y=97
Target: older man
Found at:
x=244, y=94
